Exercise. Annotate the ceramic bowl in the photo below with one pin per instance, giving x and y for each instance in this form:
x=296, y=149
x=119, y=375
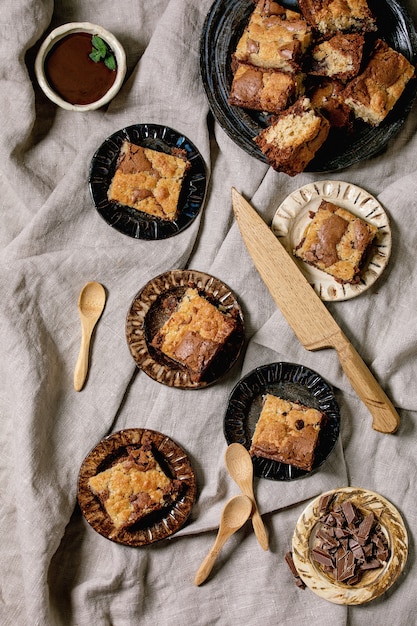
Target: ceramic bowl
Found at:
x=76, y=27
x=374, y=582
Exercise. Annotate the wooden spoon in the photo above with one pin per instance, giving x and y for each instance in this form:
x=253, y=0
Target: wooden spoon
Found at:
x=240, y=467
x=90, y=306
x=235, y=513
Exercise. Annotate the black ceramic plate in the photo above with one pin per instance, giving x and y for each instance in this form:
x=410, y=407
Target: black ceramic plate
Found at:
x=147, y=314
x=291, y=382
x=223, y=27
x=130, y=221
x=158, y=525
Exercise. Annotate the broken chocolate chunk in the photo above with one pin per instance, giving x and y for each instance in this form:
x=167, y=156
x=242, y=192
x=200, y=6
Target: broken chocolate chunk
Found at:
x=289, y=561
x=348, y=542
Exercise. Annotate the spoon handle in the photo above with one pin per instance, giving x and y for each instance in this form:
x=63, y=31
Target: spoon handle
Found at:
x=207, y=565
x=81, y=366
x=258, y=525
x=259, y=528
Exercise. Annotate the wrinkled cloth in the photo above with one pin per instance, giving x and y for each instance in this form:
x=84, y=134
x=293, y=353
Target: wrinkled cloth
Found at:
x=56, y=570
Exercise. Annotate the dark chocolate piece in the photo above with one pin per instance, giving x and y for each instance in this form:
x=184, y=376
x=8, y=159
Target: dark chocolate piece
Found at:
x=289, y=561
x=348, y=542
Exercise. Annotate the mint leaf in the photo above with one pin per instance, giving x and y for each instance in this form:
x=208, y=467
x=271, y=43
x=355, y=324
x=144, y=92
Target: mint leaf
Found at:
x=102, y=52
x=110, y=62
x=100, y=45
x=95, y=56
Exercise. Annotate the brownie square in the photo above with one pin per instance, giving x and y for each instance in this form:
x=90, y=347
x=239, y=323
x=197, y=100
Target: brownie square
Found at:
x=293, y=139
x=194, y=333
x=287, y=432
x=148, y=180
x=373, y=93
x=336, y=241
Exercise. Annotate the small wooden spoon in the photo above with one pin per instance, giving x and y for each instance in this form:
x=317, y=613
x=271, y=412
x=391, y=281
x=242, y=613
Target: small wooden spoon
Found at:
x=239, y=465
x=90, y=306
x=235, y=513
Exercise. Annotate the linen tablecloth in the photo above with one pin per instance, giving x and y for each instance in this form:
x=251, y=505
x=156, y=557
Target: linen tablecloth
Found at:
x=56, y=570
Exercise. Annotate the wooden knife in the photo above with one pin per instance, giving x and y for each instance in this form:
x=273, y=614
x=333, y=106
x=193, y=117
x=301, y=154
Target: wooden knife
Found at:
x=306, y=313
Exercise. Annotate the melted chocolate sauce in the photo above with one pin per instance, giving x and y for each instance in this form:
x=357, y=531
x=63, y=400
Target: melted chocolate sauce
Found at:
x=73, y=75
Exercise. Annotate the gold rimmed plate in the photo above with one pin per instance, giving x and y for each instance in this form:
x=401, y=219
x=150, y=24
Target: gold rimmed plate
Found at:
x=373, y=583
x=148, y=312
x=153, y=527
x=293, y=216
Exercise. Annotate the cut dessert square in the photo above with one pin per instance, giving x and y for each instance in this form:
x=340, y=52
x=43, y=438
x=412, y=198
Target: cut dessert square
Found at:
x=293, y=139
x=339, y=57
x=333, y=16
x=326, y=96
x=274, y=38
x=149, y=180
x=134, y=487
x=373, y=93
x=287, y=432
x=194, y=333
x=336, y=241
x=264, y=90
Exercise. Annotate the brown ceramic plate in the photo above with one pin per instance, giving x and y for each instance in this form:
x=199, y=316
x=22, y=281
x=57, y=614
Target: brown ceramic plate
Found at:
x=147, y=314
x=375, y=582
x=153, y=527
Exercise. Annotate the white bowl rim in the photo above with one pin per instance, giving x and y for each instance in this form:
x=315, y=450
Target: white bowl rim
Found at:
x=75, y=27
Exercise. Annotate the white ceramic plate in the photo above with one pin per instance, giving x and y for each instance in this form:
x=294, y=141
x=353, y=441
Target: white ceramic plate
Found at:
x=292, y=218
x=375, y=582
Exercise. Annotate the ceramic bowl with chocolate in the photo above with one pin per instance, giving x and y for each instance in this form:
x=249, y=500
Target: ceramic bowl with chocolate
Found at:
x=349, y=545
x=80, y=66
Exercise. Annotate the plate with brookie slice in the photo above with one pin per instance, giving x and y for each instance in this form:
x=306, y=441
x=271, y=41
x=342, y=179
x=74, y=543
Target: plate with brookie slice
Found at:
x=287, y=417
x=348, y=235
x=350, y=545
x=136, y=486
x=346, y=144
x=185, y=329
x=148, y=181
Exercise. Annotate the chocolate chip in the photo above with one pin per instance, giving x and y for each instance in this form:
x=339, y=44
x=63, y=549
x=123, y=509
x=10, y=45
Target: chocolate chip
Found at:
x=299, y=424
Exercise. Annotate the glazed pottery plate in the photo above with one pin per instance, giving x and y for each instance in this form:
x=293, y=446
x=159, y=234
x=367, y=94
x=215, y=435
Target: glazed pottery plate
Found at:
x=222, y=30
x=128, y=220
x=373, y=583
x=148, y=313
x=292, y=382
x=292, y=218
x=153, y=527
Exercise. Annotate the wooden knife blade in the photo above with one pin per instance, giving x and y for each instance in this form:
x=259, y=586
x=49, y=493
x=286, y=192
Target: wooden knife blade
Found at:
x=306, y=313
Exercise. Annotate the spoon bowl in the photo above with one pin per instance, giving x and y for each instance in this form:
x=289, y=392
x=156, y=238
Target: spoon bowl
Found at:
x=235, y=513
x=90, y=306
x=239, y=465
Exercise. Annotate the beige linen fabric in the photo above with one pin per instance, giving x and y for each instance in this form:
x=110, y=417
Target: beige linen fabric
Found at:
x=56, y=570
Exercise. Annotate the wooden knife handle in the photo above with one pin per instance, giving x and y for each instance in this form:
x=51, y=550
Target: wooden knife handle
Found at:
x=385, y=417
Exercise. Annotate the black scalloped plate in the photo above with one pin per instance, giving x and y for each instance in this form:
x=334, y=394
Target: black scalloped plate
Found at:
x=130, y=221
x=289, y=381
x=223, y=27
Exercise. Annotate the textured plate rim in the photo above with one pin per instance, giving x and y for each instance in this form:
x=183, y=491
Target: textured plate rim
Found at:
x=291, y=218
x=180, y=466
x=247, y=392
x=389, y=518
x=171, y=374
x=127, y=220
x=214, y=67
